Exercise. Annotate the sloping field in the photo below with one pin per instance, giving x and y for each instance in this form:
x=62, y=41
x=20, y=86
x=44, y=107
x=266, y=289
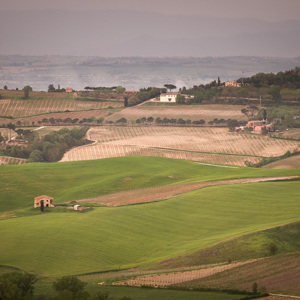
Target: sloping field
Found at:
x=94, y=178
x=215, y=145
x=164, y=280
x=21, y=108
x=165, y=192
x=288, y=163
x=123, y=237
x=279, y=274
x=193, y=112
x=6, y=160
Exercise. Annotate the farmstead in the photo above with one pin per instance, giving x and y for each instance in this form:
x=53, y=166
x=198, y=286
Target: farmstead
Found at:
x=48, y=201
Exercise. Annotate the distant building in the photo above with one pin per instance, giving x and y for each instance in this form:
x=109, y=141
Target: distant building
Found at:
x=78, y=207
x=168, y=97
x=233, y=83
x=69, y=90
x=258, y=125
x=131, y=92
x=48, y=201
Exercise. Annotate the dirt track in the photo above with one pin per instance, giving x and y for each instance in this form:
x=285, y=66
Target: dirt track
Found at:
x=165, y=192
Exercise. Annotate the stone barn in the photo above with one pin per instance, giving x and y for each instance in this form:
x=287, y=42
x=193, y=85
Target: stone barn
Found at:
x=48, y=201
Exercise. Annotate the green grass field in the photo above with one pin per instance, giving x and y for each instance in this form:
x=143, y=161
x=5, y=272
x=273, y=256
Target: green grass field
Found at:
x=85, y=179
x=142, y=235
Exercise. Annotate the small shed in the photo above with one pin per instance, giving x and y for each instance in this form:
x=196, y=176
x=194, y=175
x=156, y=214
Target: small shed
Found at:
x=78, y=207
x=48, y=201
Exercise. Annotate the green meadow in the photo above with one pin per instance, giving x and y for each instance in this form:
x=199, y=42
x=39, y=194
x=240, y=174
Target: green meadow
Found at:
x=85, y=179
x=113, y=238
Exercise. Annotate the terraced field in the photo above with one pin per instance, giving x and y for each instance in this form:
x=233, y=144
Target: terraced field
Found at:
x=22, y=108
x=214, y=145
x=193, y=112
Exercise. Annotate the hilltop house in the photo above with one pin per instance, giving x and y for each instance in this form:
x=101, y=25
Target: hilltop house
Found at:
x=69, y=90
x=258, y=125
x=48, y=201
x=168, y=97
x=233, y=83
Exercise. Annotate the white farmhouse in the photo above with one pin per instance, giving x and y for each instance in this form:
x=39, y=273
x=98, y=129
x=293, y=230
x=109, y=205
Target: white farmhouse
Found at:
x=168, y=97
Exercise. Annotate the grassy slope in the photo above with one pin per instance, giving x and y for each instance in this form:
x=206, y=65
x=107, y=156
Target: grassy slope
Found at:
x=250, y=246
x=112, y=238
x=85, y=179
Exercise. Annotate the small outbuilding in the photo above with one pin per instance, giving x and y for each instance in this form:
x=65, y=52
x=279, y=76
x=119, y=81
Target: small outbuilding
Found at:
x=78, y=207
x=48, y=201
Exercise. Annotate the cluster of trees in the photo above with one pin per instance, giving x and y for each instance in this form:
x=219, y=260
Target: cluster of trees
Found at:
x=52, y=89
x=49, y=148
x=54, y=121
x=287, y=79
x=119, y=89
x=20, y=286
x=180, y=121
x=142, y=96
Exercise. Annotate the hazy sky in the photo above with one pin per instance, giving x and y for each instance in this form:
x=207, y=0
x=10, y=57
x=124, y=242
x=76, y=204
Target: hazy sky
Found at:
x=271, y=10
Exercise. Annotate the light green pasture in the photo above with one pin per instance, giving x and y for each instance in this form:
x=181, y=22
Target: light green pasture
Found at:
x=85, y=179
x=122, y=237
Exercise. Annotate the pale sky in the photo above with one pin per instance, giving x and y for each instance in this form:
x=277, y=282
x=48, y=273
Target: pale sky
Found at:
x=270, y=10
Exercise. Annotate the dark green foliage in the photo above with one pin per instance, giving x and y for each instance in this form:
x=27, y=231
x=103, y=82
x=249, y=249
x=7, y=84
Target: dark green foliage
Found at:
x=125, y=101
x=272, y=249
x=143, y=95
x=103, y=296
x=26, y=91
x=122, y=121
x=232, y=124
x=16, y=286
x=287, y=79
x=180, y=99
x=70, y=287
x=170, y=86
x=51, y=147
x=254, y=288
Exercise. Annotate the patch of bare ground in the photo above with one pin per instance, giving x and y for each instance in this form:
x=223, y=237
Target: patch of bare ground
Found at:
x=163, y=280
x=278, y=274
x=165, y=192
x=288, y=163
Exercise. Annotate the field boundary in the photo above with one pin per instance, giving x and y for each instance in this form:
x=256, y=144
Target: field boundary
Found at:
x=154, y=194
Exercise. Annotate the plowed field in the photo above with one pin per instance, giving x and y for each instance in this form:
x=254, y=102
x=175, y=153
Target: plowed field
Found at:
x=214, y=145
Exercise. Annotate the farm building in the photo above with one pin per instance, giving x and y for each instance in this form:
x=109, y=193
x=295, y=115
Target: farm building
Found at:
x=258, y=125
x=233, y=83
x=131, y=92
x=48, y=201
x=69, y=90
x=78, y=207
x=168, y=97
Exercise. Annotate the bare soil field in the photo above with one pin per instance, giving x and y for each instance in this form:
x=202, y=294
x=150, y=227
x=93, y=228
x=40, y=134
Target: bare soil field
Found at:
x=164, y=280
x=193, y=112
x=288, y=163
x=278, y=274
x=165, y=192
x=206, y=144
x=6, y=160
x=48, y=102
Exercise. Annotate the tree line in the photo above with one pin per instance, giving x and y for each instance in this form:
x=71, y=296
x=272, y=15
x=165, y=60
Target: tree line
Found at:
x=20, y=286
x=142, y=96
x=49, y=148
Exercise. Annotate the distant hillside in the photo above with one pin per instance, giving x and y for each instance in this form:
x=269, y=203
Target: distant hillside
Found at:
x=132, y=33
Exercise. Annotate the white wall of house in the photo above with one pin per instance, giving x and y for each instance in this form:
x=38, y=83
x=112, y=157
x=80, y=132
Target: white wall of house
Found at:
x=168, y=97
